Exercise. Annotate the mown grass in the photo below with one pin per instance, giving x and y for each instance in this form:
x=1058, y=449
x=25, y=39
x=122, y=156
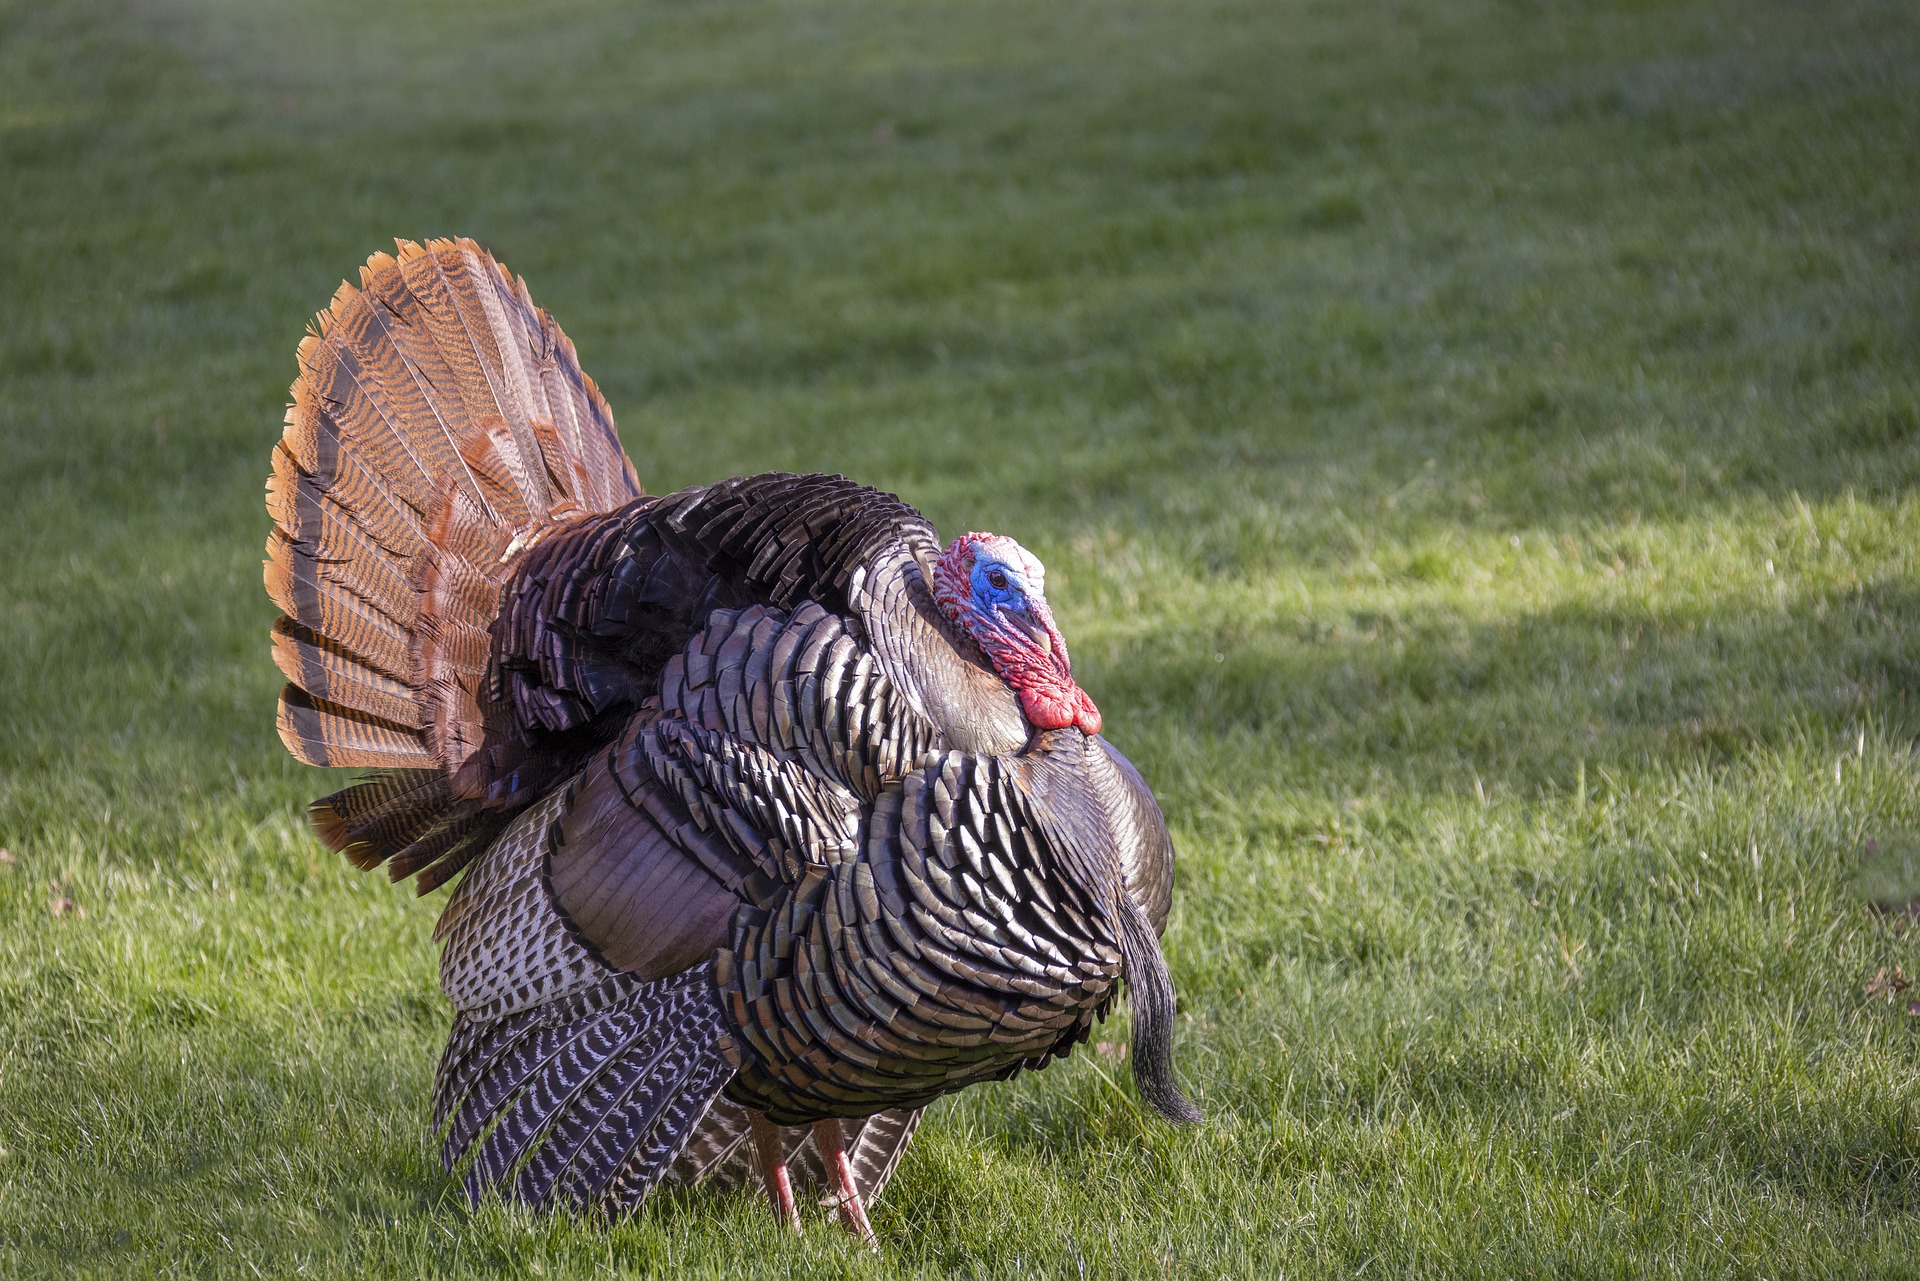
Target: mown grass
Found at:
x=1473, y=444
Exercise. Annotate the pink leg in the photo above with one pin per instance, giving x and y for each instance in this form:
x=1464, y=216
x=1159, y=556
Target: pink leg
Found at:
x=773, y=1170
x=833, y=1154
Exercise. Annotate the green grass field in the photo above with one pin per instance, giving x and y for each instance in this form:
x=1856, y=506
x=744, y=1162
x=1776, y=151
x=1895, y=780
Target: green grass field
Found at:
x=1474, y=446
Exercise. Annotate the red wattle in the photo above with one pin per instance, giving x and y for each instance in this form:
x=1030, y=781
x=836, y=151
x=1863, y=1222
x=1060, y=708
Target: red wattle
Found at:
x=1051, y=705
x=1087, y=716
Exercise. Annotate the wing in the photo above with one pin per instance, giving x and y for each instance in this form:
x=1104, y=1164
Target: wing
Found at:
x=568, y=949
x=564, y=1078
x=979, y=929
x=589, y=1049
x=770, y=733
x=887, y=921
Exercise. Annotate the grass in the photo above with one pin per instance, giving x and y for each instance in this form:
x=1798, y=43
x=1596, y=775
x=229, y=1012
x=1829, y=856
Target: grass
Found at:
x=1474, y=448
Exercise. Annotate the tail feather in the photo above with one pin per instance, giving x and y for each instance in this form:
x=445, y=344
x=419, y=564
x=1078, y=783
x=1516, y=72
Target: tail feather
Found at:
x=389, y=810
x=440, y=423
x=376, y=347
x=340, y=401
x=408, y=819
x=440, y=322
x=322, y=495
x=327, y=600
x=331, y=675
x=428, y=856
x=322, y=733
x=334, y=537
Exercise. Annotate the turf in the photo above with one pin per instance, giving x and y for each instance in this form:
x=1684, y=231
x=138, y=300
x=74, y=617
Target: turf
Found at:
x=1473, y=444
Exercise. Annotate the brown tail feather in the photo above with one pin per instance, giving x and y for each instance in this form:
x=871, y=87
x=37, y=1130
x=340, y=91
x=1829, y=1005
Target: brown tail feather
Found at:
x=409, y=820
x=441, y=423
x=320, y=733
x=381, y=814
x=422, y=854
x=330, y=675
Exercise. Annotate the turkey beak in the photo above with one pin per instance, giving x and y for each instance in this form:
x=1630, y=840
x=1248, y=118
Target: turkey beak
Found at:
x=1038, y=634
x=1036, y=624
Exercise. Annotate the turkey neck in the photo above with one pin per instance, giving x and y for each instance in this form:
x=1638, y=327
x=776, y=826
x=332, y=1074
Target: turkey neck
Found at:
x=937, y=668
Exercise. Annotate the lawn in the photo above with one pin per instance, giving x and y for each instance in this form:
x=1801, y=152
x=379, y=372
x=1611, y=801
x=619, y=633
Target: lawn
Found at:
x=1473, y=444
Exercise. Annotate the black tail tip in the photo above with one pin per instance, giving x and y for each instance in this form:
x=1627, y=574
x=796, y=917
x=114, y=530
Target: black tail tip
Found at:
x=1163, y=1093
x=1178, y=1109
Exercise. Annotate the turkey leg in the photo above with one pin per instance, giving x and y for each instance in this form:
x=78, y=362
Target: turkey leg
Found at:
x=769, y=1154
x=828, y=1142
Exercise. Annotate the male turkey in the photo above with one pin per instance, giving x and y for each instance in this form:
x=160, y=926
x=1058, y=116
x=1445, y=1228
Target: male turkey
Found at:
x=779, y=821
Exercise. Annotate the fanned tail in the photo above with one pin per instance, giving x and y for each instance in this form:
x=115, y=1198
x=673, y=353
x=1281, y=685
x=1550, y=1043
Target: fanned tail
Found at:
x=588, y=1101
x=441, y=423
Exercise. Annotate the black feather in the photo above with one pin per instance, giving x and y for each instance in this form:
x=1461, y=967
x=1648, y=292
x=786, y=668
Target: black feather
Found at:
x=1150, y=997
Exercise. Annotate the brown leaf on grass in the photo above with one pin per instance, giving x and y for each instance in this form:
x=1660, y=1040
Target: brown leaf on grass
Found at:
x=61, y=904
x=1886, y=986
x=1115, y=1050
x=8, y=858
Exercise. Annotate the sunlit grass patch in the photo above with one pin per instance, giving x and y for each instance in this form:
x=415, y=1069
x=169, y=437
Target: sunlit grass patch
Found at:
x=1472, y=445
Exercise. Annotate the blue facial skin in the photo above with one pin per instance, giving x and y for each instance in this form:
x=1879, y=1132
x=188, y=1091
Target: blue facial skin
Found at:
x=1006, y=605
x=991, y=599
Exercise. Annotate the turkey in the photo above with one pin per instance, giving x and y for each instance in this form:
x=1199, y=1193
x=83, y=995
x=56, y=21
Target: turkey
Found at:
x=778, y=819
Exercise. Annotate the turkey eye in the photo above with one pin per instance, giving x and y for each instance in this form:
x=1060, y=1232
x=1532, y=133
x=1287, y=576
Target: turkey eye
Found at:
x=998, y=579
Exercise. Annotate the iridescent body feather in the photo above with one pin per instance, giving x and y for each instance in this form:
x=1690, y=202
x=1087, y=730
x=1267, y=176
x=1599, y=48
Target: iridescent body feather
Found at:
x=778, y=821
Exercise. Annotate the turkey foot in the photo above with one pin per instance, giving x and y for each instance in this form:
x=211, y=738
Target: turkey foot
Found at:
x=767, y=1152
x=833, y=1154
